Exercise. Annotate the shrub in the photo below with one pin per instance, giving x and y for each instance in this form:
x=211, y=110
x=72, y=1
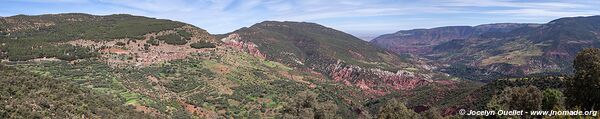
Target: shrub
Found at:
x=552, y=99
x=202, y=44
x=184, y=34
x=153, y=41
x=305, y=105
x=432, y=113
x=173, y=39
x=395, y=109
x=120, y=44
x=146, y=46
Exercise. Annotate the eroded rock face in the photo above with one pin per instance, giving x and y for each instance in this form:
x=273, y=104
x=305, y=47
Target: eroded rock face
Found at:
x=233, y=40
x=374, y=81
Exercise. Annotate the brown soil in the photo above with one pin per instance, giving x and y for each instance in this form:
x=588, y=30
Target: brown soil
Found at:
x=146, y=110
x=199, y=111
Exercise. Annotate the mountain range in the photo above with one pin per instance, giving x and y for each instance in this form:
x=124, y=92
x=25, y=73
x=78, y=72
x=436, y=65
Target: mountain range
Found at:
x=505, y=49
x=138, y=66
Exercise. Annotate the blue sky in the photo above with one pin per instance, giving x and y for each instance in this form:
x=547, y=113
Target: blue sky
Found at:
x=363, y=18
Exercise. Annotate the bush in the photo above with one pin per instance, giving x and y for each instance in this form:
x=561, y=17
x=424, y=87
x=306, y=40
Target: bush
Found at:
x=517, y=98
x=395, y=109
x=173, y=39
x=583, y=89
x=146, y=46
x=27, y=95
x=120, y=44
x=305, y=105
x=153, y=41
x=202, y=44
x=186, y=35
x=432, y=113
x=552, y=99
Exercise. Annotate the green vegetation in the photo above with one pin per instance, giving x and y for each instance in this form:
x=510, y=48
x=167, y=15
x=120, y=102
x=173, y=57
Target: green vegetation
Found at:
x=517, y=98
x=313, y=44
x=395, y=109
x=38, y=42
x=553, y=99
x=120, y=44
x=29, y=95
x=185, y=34
x=582, y=90
x=91, y=27
x=226, y=83
x=172, y=39
x=432, y=113
x=153, y=42
x=472, y=73
x=202, y=44
x=26, y=50
x=306, y=105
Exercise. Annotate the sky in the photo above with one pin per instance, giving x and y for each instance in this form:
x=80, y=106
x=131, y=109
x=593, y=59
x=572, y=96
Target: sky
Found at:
x=363, y=18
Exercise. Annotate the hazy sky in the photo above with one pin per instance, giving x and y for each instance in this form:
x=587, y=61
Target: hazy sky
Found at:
x=363, y=18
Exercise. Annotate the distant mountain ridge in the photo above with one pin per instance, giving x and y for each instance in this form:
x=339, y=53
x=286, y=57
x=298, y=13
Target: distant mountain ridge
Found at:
x=508, y=49
x=421, y=41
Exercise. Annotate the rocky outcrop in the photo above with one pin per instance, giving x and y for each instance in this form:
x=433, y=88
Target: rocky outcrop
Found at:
x=233, y=40
x=374, y=81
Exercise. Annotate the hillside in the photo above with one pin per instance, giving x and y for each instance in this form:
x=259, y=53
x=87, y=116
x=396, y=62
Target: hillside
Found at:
x=337, y=55
x=306, y=44
x=519, y=51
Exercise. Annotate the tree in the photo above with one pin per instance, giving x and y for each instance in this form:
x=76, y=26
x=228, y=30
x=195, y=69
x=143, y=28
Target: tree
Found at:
x=395, y=109
x=583, y=88
x=153, y=42
x=552, y=99
x=305, y=105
